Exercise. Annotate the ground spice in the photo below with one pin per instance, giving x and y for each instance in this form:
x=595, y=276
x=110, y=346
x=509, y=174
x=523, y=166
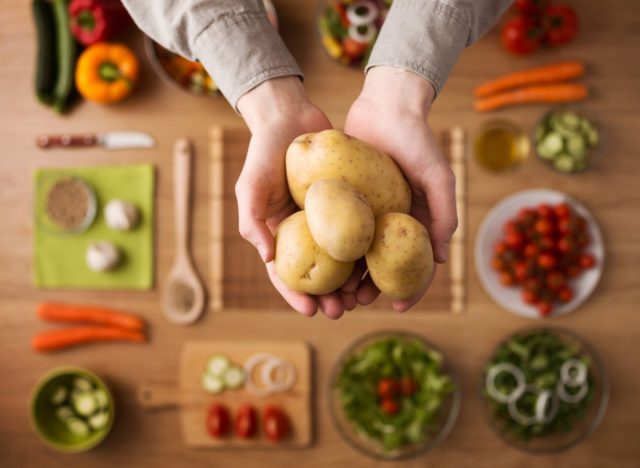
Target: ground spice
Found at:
x=182, y=296
x=68, y=203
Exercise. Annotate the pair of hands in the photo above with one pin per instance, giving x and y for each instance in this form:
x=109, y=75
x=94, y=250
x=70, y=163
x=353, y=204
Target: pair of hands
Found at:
x=391, y=114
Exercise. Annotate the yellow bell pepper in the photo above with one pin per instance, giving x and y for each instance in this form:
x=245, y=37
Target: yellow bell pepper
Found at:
x=106, y=72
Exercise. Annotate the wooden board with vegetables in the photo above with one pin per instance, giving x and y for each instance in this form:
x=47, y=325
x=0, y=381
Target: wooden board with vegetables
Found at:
x=253, y=394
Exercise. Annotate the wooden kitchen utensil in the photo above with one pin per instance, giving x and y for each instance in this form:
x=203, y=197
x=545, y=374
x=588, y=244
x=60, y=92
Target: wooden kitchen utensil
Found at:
x=193, y=402
x=184, y=297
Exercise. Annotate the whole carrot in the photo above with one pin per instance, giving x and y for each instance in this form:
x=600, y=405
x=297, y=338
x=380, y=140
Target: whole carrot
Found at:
x=65, y=338
x=56, y=312
x=556, y=72
x=533, y=94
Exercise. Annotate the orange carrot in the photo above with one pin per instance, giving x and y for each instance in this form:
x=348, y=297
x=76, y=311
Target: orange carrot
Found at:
x=64, y=338
x=533, y=94
x=82, y=313
x=548, y=74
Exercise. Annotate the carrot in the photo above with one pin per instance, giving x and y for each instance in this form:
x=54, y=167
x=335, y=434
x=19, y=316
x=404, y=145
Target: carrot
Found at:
x=533, y=94
x=548, y=74
x=55, y=312
x=64, y=338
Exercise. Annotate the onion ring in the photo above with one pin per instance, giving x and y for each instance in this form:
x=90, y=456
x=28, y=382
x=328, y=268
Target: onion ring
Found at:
x=270, y=363
x=370, y=15
x=541, y=406
x=565, y=396
x=491, y=382
x=573, y=380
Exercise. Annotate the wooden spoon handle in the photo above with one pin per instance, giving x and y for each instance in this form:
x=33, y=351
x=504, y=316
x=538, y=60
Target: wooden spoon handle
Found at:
x=158, y=396
x=182, y=192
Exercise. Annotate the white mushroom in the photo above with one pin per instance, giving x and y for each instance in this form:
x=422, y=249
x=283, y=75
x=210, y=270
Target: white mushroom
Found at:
x=121, y=215
x=103, y=256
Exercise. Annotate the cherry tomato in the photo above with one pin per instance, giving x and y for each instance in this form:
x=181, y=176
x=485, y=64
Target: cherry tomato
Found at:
x=514, y=240
x=587, y=261
x=544, y=226
x=546, y=243
x=521, y=271
x=353, y=48
x=389, y=406
x=521, y=35
x=506, y=279
x=583, y=239
x=560, y=24
x=532, y=284
x=555, y=280
x=218, y=420
x=500, y=248
x=408, y=386
x=530, y=250
x=529, y=297
x=573, y=271
x=387, y=388
x=565, y=245
x=531, y=7
x=275, y=423
x=498, y=264
x=544, y=308
x=562, y=210
x=246, y=421
x=565, y=294
x=547, y=261
x=527, y=216
x=545, y=211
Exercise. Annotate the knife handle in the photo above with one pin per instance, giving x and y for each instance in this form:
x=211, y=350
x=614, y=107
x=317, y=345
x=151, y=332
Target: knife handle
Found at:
x=66, y=141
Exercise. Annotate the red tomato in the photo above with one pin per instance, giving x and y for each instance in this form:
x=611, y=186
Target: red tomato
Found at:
x=562, y=210
x=521, y=271
x=547, y=261
x=387, y=388
x=498, y=264
x=545, y=211
x=521, y=35
x=514, y=240
x=529, y=297
x=546, y=243
x=506, y=279
x=275, y=423
x=532, y=284
x=555, y=280
x=587, y=261
x=565, y=245
x=408, y=386
x=353, y=48
x=500, y=248
x=389, y=406
x=218, y=420
x=544, y=226
x=565, y=294
x=565, y=225
x=560, y=24
x=583, y=239
x=544, y=308
x=530, y=250
x=527, y=216
x=573, y=271
x=246, y=421
x=531, y=7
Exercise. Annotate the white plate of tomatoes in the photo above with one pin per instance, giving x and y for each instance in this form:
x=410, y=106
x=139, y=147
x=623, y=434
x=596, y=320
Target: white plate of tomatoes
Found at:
x=539, y=253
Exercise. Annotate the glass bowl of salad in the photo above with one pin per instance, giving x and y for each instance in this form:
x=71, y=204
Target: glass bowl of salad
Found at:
x=393, y=395
x=545, y=390
x=349, y=28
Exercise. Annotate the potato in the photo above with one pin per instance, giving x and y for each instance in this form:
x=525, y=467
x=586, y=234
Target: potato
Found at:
x=301, y=264
x=400, y=259
x=333, y=155
x=340, y=219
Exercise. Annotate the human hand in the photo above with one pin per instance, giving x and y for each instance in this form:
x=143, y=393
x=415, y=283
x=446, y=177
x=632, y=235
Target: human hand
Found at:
x=277, y=111
x=391, y=114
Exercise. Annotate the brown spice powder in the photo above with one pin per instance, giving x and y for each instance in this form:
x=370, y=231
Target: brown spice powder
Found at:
x=182, y=296
x=68, y=203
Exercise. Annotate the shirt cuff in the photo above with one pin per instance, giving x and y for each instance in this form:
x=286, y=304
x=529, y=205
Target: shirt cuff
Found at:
x=241, y=50
x=425, y=38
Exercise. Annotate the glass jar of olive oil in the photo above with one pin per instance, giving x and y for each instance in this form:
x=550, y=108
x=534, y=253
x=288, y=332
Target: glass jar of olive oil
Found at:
x=501, y=145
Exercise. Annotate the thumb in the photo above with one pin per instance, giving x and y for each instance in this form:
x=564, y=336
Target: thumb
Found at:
x=252, y=206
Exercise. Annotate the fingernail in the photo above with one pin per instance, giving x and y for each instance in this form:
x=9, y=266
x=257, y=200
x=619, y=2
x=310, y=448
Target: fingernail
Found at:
x=443, y=252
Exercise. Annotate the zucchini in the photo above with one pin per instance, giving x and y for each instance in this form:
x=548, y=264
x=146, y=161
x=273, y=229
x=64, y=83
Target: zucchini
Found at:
x=576, y=146
x=66, y=57
x=59, y=395
x=63, y=413
x=212, y=384
x=234, y=378
x=46, y=72
x=81, y=384
x=564, y=163
x=77, y=427
x=84, y=403
x=101, y=398
x=99, y=420
x=218, y=365
x=552, y=144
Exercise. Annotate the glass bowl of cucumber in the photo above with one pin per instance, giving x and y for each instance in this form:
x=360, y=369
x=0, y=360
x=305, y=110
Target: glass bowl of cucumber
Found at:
x=72, y=409
x=565, y=139
x=544, y=390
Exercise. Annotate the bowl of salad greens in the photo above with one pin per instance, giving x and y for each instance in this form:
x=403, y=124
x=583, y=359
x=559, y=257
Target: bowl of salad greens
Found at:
x=545, y=390
x=393, y=395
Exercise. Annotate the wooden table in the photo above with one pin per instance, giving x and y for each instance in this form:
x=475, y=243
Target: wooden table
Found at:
x=608, y=43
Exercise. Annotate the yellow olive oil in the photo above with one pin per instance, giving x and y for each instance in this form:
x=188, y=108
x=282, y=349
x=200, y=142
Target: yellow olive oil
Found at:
x=500, y=145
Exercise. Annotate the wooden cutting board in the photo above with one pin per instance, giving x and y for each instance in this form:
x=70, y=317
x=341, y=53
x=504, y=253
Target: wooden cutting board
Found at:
x=192, y=401
x=239, y=281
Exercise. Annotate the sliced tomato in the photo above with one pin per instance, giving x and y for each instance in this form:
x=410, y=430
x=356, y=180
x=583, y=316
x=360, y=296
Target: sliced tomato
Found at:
x=218, y=420
x=246, y=421
x=275, y=423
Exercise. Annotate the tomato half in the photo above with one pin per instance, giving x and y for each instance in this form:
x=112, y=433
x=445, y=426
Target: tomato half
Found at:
x=218, y=420
x=246, y=421
x=275, y=423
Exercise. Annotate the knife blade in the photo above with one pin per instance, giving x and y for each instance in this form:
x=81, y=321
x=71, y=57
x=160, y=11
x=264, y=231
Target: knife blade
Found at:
x=108, y=140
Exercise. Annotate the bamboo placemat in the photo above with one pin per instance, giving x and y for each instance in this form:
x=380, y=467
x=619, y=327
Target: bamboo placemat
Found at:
x=239, y=279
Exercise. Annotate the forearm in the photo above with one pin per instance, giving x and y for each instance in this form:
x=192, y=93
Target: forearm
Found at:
x=232, y=38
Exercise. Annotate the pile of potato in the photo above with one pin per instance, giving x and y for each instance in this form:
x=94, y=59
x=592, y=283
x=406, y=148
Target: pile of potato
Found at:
x=354, y=203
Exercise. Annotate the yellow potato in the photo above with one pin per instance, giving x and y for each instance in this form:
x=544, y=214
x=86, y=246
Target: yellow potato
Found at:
x=400, y=259
x=301, y=264
x=340, y=219
x=333, y=155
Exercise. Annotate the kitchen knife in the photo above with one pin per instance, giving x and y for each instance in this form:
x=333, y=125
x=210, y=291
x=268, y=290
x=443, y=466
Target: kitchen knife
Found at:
x=108, y=140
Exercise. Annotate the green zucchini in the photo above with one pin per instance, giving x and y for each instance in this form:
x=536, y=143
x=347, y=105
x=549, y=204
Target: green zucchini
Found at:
x=77, y=427
x=84, y=403
x=59, y=395
x=98, y=420
x=66, y=57
x=46, y=73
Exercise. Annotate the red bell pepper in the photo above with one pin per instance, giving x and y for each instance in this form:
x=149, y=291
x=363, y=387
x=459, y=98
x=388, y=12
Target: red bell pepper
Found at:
x=93, y=21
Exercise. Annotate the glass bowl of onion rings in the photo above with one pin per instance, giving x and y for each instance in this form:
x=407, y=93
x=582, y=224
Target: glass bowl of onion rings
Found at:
x=544, y=390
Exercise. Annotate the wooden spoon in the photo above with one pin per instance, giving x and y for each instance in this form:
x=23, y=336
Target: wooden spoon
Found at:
x=183, y=298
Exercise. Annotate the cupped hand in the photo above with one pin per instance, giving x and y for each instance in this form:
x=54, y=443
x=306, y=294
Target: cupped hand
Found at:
x=391, y=114
x=277, y=111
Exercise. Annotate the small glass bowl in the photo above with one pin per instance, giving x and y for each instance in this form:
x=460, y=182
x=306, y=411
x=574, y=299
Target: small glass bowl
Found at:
x=49, y=225
x=583, y=427
x=448, y=413
x=501, y=145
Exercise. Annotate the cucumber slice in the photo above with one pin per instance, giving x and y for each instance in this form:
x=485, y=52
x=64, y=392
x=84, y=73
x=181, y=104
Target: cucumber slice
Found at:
x=564, y=163
x=84, y=403
x=64, y=412
x=99, y=420
x=82, y=384
x=102, y=400
x=59, y=395
x=551, y=145
x=212, y=384
x=576, y=146
x=539, y=133
x=218, y=365
x=593, y=137
x=570, y=120
x=234, y=378
x=77, y=427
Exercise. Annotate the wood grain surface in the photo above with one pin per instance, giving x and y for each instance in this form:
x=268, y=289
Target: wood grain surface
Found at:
x=608, y=43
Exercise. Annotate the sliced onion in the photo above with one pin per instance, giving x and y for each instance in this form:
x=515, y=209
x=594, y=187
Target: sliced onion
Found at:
x=249, y=366
x=578, y=367
x=497, y=394
x=542, y=415
x=270, y=363
x=273, y=365
x=366, y=36
x=574, y=398
x=369, y=16
x=515, y=412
